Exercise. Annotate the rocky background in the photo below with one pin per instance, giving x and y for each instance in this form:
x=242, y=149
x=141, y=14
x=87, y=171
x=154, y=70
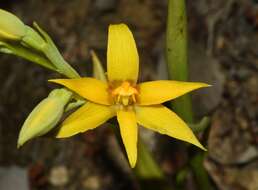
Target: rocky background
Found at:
x=223, y=51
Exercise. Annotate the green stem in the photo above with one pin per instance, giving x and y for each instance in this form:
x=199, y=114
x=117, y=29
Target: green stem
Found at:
x=147, y=171
x=177, y=60
x=200, y=173
x=201, y=126
x=53, y=54
x=39, y=40
x=146, y=167
x=26, y=53
x=176, y=52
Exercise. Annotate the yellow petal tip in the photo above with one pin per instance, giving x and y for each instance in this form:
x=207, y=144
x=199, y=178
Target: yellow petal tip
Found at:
x=207, y=85
x=61, y=136
x=199, y=145
x=58, y=136
x=203, y=148
x=64, y=133
x=54, y=80
x=132, y=163
x=204, y=85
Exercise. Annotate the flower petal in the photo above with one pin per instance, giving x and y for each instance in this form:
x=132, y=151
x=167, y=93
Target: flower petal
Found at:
x=129, y=133
x=157, y=92
x=91, y=89
x=89, y=116
x=122, y=55
x=161, y=119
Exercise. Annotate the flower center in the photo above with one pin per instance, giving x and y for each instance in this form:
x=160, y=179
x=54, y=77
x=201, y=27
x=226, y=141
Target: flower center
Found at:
x=125, y=94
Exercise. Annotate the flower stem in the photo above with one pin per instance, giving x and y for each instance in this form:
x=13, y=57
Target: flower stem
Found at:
x=200, y=173
x=176, y=52
x=148, y=173
x=146, y=167
x=177, y=60
x=201, y=125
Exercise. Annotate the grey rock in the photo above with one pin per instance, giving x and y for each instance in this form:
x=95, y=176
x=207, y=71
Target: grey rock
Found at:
x=13, y=178
x=205, y=68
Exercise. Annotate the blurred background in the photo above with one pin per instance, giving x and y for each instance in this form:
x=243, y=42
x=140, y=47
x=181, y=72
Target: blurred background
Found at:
x=223, y=51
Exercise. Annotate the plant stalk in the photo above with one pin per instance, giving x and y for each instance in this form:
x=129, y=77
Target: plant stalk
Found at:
x=176, y=53
x=177, y=61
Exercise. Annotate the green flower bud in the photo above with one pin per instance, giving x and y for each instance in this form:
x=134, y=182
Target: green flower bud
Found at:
x=34, y=39
x=45, y=115
x=11, y=27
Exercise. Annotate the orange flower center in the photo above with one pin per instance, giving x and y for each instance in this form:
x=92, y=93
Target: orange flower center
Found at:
x=125, y=94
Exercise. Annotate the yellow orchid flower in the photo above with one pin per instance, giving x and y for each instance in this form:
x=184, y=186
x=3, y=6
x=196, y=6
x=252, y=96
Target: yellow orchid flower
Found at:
x=121, y=96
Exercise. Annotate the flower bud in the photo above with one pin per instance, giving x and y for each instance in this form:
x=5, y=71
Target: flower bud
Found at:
x=34, y=39
x=45, y=115
x=11, y=27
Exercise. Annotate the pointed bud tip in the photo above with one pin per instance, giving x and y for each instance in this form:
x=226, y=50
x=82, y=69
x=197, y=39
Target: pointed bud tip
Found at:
x=20, y=143
x=132, y=162
x=45, y=116
x=133, y=165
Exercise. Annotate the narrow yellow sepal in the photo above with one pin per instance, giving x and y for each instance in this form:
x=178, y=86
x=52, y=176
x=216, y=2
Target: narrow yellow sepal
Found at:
x=89, y=116
x=129, y=132
x=161, y=119
x=89, y=88
x=157, y=92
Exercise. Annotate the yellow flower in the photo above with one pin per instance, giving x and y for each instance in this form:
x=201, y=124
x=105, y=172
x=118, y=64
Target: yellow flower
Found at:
x=121, y=96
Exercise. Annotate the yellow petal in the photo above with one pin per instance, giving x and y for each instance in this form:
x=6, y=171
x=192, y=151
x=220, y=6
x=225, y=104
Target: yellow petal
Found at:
x=157, y=92
x=161, y=119
x=91, y=89
x=89, y=116
x=122, y=55
x=129, y=133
